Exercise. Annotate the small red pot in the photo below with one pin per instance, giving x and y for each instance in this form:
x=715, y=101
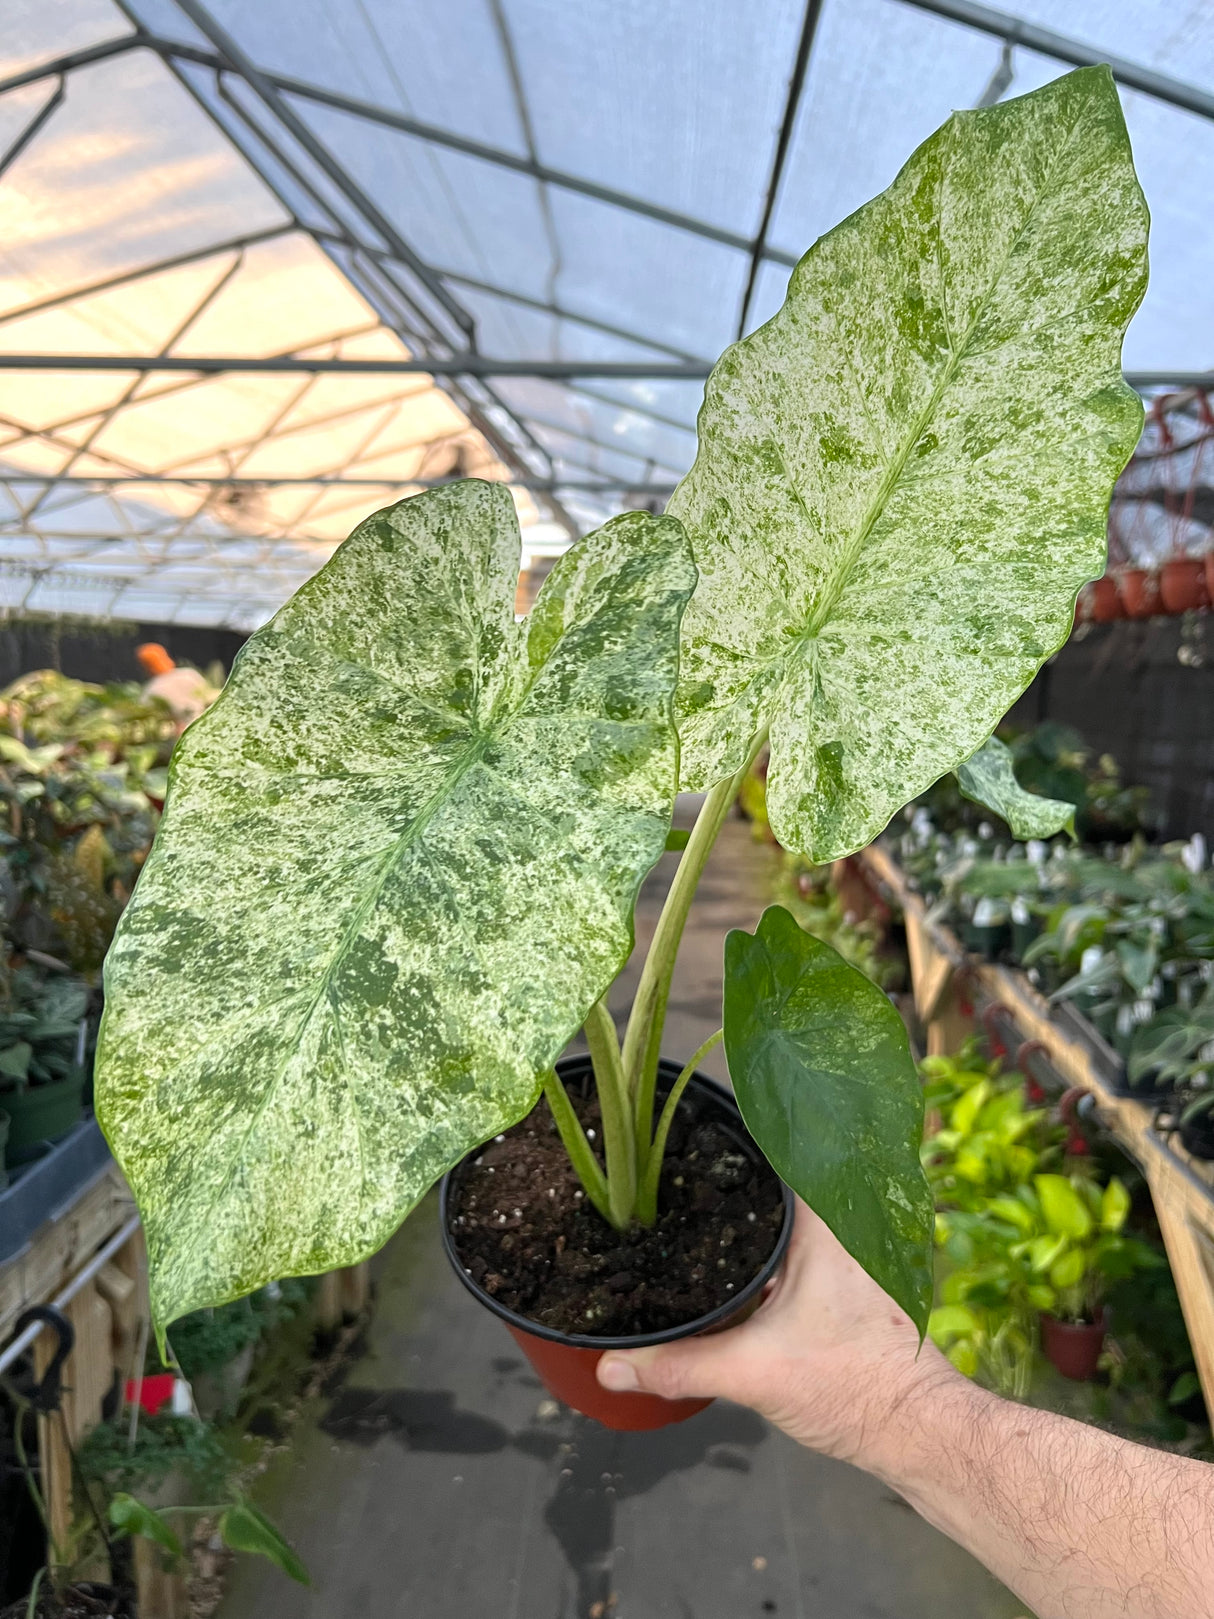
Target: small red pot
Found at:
x=1099, y=602
x=1073, y=1347
x=1139, y=593
x=566, y=1362
x=1208, y=564
x=154, y=1391
x=1182, y=585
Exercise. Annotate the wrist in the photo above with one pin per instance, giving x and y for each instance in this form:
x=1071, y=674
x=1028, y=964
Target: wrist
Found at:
x=910, y=1416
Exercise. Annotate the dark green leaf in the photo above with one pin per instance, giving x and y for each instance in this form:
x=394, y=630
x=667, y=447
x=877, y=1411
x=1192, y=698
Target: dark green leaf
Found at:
x=245, y=1529
x=677, y=838
x=1184, y=1388
x=15, y=1062
x=823, y=1074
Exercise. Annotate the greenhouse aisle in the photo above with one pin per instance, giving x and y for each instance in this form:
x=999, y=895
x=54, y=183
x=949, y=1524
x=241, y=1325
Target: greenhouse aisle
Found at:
x=437, y=1479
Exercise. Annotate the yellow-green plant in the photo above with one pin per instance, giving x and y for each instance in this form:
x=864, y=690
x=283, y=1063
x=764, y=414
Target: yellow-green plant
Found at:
x=1073, y=1242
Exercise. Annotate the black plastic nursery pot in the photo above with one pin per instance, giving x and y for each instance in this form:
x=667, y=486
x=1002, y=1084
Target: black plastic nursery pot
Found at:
x=986, y=940
x=1197, y=1135
x=566, y=1362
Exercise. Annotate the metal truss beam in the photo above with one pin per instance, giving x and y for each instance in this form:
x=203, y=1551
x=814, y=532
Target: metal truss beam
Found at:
x=604, y=485
x=624, y=333
x=434, y=135
x=506, y=433
x=234, y=244
x=809, y=27
x=286, y=115
x=1162, y=86
x=459, y=365
x=68, y=63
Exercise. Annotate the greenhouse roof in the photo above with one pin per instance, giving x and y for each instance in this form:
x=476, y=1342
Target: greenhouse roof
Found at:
x=265, y=268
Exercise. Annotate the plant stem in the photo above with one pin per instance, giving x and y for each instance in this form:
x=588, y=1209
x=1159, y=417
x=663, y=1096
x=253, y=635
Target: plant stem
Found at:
x=581, y=1153
x=619, y=1142
x=643, y=1040
x=647, y=1196
x=21, y=1407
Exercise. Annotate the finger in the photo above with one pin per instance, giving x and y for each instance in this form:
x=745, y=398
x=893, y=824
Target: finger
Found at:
x=691, y=1368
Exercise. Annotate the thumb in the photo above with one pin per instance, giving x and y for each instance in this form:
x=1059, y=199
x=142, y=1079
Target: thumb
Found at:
x=689, y=1368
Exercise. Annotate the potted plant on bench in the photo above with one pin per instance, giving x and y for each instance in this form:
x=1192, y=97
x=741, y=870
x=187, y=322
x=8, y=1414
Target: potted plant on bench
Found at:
x=400, y=854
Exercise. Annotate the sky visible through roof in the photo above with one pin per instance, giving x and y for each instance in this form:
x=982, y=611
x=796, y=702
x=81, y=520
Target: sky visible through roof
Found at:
x=362, y=181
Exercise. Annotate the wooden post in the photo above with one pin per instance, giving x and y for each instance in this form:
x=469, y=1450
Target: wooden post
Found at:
x=1182, y=1188
x=160, y=1592
x=355, y=1288
x=951, y=1024
x=342, y=1294
x=88, y=1374
x=1191, y=1256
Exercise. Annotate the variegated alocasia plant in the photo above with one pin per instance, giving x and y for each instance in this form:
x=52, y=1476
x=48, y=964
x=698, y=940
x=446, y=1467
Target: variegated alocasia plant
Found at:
x=399, y=858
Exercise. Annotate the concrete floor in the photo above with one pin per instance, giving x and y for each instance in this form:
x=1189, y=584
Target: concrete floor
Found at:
x=437, y=1481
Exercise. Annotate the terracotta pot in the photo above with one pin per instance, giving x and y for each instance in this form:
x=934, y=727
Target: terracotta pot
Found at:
x=1073, y=1347
x=1139, y=593
x=1208, y=564
x=1099, y=602
x=1182, y=585
x=566, y=1362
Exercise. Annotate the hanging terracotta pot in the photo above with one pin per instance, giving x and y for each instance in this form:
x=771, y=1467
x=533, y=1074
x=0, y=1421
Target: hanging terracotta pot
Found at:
x=1139, y=593
x=1099, y=602
x=1182, y=585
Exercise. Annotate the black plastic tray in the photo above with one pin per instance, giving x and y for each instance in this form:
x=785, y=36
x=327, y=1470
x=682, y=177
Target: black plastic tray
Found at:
x=47, y=1188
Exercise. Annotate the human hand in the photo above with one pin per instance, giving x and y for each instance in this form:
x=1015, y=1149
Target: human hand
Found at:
x=827, y=1356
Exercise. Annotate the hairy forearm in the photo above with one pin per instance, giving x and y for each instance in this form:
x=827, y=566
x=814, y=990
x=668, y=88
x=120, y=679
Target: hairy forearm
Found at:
x=1080, y=1524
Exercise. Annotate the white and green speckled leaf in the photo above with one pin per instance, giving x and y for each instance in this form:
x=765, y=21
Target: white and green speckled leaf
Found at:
x=989, y=779
x=903, y=478
x=823, y=1073
x=397, y=866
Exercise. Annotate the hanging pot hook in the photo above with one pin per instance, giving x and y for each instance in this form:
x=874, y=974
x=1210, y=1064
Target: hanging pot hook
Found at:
x=46, y=1393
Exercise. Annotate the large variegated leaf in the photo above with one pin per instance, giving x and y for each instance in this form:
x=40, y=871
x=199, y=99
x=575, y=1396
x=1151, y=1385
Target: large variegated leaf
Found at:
x=824, y=1076
x=989, y=779
x=397, y=866
x=903, y=478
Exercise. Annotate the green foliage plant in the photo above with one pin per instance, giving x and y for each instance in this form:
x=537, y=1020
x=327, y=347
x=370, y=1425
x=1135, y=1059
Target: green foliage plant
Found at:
x=808, y=893
x=987, y=1146
x=39, y=1026
x=239, y=1524
x=1074, y=1244
x=1017, y=1235
x=82, y=772
x=114, y=1466
x=989, y=1141
x=401, y=853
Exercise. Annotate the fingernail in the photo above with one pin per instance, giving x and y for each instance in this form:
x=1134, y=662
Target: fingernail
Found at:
x=617, y=1374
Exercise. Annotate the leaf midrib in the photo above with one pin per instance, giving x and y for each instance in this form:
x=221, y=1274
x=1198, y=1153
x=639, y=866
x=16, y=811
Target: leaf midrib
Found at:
x=839, y=576
x=325, y=982
x=478, y=743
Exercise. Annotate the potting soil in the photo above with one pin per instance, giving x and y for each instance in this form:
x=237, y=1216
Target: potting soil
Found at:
x=529, y=1236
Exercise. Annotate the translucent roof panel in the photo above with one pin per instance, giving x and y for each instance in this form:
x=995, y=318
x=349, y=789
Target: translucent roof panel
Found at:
x=267, y=188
